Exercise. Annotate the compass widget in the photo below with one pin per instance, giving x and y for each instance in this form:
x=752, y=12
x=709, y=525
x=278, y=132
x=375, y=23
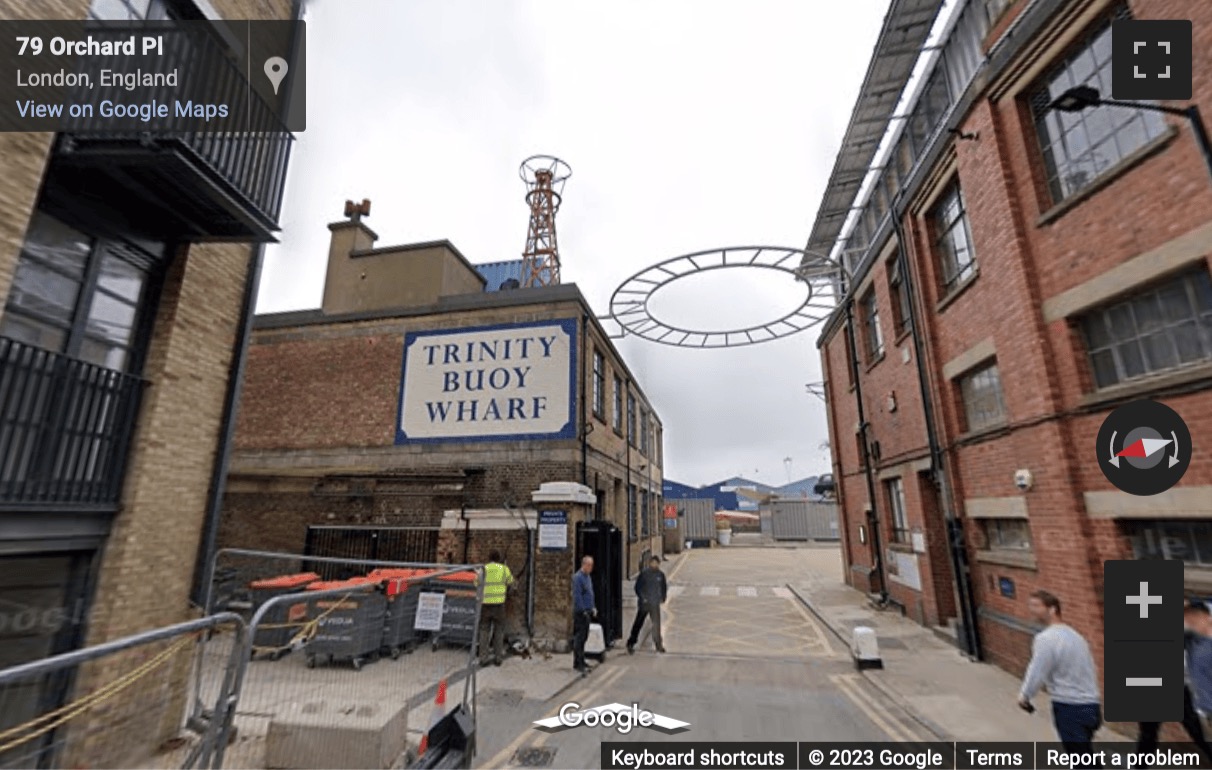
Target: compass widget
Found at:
x=1144, y=448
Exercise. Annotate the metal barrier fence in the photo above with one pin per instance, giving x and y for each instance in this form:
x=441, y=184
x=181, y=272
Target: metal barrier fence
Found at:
x=123, y=703
x=344, y=673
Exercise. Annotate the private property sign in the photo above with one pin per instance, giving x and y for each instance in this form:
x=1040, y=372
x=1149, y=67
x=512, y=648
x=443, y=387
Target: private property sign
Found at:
x=489, y=383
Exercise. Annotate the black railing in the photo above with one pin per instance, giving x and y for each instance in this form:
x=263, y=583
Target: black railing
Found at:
x=407, y=544
x=65, y=428
x=250, y=161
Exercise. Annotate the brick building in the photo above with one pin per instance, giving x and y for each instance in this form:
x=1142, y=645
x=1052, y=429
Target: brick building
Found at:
x=1016, y=272
x=126, y=278
x=342, y=451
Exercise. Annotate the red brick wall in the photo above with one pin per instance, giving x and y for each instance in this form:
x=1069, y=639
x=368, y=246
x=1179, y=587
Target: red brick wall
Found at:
x=1023, y=261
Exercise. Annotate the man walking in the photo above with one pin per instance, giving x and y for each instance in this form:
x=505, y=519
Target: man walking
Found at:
x=651, y=589
x=497, y=580
x=583, y=609
x=1197, y=692
x=1061, y=661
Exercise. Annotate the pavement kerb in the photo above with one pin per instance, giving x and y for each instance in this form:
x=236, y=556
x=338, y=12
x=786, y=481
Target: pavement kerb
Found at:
x=937, y=731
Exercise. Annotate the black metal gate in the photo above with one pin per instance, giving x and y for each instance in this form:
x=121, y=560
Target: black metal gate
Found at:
x=415, y=544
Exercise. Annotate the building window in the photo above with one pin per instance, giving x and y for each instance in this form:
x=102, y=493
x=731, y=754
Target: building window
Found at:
x=616, y=419
x=981, y=391
x=953, y=238
x=873, y=338
x=131, y=10
x=1079, y=146
x=896, y=503
x=1164, y=327
x=78, y=296
x=631, y=513
x=900, y=296
x=1007, y=534
x=645, y=525
x=644, y=444
x=1187, y=541
x=599, y=385
x=631, y=437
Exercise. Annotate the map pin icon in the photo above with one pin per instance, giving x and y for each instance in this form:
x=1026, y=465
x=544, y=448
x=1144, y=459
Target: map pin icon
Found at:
x=275, y=70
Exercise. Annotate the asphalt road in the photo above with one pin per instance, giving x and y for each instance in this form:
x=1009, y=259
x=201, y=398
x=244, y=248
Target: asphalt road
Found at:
x=745, y=662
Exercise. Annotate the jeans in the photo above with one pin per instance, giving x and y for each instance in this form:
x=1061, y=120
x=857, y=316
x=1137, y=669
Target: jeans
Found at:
x=1076, y=724
x=492, y=632
x=1192, y=722
x=646, y=611
x=580, y=633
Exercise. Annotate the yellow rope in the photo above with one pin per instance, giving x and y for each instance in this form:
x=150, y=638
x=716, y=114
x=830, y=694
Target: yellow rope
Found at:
x=68, y=711
x=310, y=626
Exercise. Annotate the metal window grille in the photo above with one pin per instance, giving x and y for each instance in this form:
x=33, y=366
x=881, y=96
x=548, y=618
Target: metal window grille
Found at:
x=954, y=238
x=872, y=336
x=896, y=502
x=1164, y=327
x=1007, y=534
x=1078, y=147
x=599, y=384
x=984, y=405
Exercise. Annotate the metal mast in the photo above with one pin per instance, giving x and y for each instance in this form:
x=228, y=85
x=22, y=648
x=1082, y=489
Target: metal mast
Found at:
x=544, y=176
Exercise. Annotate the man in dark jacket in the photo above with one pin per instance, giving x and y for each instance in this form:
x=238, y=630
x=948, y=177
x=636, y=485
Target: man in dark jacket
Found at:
x=652, y=590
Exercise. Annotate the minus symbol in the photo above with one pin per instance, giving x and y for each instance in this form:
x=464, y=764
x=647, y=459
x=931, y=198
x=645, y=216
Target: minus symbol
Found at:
x=1144, y=681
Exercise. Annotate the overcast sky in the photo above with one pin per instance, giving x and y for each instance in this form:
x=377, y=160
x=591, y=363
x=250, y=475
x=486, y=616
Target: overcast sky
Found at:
x=688, y=126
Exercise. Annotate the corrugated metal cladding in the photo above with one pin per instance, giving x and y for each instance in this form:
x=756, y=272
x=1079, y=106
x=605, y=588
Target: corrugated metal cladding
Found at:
x=497, y=273
x=803, y=520
x=698, y=518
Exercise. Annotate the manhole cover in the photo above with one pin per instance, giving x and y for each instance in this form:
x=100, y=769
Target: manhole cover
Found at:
x=892, y=644
x=534, y=757
x=504, y=698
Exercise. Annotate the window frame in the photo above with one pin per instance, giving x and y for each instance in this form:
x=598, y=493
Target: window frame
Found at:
x=999, y=524
x=1188, y=282
x=599, y=385
x=1063, y=178
x=898, y=290
x=898, y=510
x=617, y=416
x=1137, y=533
x=967, y=405
x=952, y=273
x=632, y=535
x=631, y=420
x=644, y=438
x=873, y=336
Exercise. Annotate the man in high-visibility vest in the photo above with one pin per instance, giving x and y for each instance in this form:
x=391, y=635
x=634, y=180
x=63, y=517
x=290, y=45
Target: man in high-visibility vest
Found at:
x=497, y=580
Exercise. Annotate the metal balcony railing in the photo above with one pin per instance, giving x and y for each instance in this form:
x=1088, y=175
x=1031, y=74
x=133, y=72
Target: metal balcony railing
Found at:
x=248, y=164
x=65, y=428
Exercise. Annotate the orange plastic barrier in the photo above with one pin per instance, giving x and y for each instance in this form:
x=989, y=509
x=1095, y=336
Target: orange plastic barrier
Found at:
x=286, y=581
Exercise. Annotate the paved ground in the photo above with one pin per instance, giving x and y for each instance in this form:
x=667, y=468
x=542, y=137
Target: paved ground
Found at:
x=745, y=661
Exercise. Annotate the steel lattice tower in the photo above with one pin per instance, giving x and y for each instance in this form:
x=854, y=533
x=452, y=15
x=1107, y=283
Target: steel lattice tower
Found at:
x=544, y=176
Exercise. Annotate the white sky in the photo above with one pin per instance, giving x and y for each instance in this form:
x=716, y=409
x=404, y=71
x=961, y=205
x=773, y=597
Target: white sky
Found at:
x=688, y=126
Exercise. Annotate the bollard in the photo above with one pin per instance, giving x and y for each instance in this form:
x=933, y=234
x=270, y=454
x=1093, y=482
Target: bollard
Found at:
x=865, y=648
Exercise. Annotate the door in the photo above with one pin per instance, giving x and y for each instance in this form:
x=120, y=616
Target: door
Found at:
x=604, y=542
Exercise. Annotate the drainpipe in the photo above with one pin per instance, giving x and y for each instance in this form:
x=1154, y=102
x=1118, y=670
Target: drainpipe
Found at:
x=956, y=548
x=873, y=516
x=585, y=358
x=627, y=476
x=204, y=569
x=466, y=530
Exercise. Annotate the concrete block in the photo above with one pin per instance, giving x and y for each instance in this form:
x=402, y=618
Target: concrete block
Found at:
x=340, y=736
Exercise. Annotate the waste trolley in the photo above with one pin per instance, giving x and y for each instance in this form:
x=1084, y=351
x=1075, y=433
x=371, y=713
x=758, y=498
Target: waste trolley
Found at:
x=399, y=626
x=347, y=628
x=279, y=625
x=460, y=609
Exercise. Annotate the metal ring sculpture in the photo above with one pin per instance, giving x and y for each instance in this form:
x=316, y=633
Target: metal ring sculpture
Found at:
x=629, y=305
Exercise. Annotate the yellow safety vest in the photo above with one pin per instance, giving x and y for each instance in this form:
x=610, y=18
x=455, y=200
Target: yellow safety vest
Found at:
x=497, y=578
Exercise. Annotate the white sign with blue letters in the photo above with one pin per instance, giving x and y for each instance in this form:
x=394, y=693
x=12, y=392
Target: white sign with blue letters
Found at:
x=491, y=383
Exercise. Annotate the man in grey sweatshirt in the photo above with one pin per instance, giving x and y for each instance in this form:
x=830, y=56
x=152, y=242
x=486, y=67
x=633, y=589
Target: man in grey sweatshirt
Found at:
x=1061, y=662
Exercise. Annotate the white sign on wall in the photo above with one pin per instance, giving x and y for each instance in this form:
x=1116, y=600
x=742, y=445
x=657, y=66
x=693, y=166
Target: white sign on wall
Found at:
x=430, y=606
x=489, y=383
